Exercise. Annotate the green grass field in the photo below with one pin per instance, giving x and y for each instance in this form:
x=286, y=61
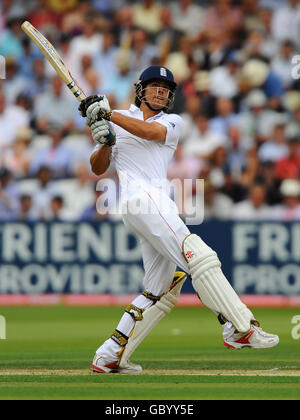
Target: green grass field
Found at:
x=48, y=352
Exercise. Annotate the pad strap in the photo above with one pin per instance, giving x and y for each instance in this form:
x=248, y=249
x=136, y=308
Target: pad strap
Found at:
x=135, y=312
x=119, y=338
x=149, y=295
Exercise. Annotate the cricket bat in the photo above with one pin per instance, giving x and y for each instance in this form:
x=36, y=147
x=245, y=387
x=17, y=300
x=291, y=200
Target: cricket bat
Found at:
x=54, y=59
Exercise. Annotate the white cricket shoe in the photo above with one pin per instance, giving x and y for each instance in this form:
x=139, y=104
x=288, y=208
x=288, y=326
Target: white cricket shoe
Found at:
x=256, y=338
x=101, y=365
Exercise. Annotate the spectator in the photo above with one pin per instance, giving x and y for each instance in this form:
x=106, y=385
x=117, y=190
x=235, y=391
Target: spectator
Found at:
x=289, y=210
x=89, y=43
x=29, y=54
x=202, y=141
x=10, y=41
x=44, y=190
x=168, y=37
x=184, y=167
x=57, y=212
x=193, y=107
x=217, y=204
x=147, y=15
x=39, y=81
x=285, y=22
x=224, y=16
x=43, y=18
x=225, y=116
x=80, y=192
x=88, y=78
x=91, y=214
x=216, y=44
x=12, y=118
x=289, y=166
x=188, y=17
x=275, y=148
x=269, y=46
x=223, y=78
x=105, y=60
x=57, y=156
x=54, y=107
x=266, y=174
x=238, y=147
x=26, y=211
x=73, y=21
x=121, y=83
x=281, y=63
x=255, y=206
x=256, y=120
x=14, y=83
x=9, y=192
x=142, y=52
x=17, y=158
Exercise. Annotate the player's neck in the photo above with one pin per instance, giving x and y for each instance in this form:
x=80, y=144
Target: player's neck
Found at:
x=147, y=112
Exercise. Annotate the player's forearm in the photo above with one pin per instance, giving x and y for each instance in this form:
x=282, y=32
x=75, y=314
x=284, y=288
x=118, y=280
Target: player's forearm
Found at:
x=142, y=129
x=100, y=160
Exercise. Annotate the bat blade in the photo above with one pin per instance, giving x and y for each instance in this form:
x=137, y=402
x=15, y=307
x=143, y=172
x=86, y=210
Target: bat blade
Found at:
x=54, y=59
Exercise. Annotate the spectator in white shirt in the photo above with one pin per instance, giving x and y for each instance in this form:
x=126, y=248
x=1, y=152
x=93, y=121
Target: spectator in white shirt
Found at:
x=12, y=118
x=203, y=141
x=285, y=22
x=188, y=17
x=55, y=107
x=289, y=210
x=89, y=43
x=254, y=207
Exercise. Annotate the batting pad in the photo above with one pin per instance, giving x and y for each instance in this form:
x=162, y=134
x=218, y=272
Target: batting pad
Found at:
x=212, y=287
x=152, y=316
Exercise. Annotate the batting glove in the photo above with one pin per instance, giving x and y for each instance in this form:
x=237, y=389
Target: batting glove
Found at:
x=99, y=109
x=102, y=133
x=86, y=103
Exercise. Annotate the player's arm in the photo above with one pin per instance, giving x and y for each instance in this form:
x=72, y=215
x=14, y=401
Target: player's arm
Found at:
x=142, y=129
x=100, y=160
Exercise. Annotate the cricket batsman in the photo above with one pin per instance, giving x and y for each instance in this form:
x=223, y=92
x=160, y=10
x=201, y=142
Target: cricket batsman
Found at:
x=140, y=142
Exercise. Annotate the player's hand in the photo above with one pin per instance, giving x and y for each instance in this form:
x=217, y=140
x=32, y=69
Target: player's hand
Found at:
x=86, y=103
x=100, y=130
x=102, y=133
x=99, y=109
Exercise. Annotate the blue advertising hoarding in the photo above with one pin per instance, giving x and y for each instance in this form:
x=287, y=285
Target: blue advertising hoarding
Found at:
x=257, y=258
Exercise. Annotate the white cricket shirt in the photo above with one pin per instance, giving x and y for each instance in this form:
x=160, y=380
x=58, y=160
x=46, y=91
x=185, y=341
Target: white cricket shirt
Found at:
x=142, y=160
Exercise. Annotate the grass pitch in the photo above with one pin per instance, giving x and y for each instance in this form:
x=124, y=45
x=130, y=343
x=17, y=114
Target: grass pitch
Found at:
x=48, y=352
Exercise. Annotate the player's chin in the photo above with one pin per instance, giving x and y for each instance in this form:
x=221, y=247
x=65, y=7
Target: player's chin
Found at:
x=158, y=105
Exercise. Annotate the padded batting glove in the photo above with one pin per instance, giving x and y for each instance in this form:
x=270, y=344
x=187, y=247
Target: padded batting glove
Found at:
x=86, y=103
x=102, y=133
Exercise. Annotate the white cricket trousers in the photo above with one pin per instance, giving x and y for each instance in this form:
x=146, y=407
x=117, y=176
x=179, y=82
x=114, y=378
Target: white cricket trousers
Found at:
x=161, y=232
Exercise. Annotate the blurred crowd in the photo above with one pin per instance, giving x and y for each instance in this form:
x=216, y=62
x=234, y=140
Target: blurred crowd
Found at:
x=237, y=65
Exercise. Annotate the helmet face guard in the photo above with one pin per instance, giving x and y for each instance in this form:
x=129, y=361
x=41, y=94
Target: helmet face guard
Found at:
x=168, y=94
x=153, y=74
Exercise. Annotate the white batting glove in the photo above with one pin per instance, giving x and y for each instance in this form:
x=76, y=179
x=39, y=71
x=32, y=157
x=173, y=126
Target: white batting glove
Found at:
x=96, y=110
x=100, y=131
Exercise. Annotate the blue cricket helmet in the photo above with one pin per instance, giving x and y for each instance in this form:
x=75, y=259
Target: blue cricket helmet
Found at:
x=158, y=73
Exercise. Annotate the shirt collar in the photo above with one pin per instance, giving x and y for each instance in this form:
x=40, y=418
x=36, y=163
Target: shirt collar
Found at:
x=133, y=108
